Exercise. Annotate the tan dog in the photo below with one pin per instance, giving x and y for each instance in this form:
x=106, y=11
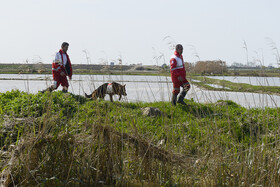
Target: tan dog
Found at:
x=110, y=89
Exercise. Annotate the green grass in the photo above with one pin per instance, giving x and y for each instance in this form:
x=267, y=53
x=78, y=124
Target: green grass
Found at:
x=64, y=139
x=236, y=87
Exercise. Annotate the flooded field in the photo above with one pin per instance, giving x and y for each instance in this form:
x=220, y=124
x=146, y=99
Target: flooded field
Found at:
x=139, y=88
x=258, y=81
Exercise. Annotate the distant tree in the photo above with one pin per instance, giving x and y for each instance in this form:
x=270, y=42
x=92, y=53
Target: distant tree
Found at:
x=189, y=67
x=251, y=64
x=236, y=64
x=210, y=67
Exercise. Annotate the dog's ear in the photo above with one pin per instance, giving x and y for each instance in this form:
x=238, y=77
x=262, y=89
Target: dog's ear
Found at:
x=124, y=85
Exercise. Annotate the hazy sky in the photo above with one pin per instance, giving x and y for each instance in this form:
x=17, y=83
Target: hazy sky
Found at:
x=135, y=30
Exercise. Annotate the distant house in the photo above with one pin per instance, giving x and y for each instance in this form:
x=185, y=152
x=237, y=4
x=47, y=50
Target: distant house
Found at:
x=112, y=63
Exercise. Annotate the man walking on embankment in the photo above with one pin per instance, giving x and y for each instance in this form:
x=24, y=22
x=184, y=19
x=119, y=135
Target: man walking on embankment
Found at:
x=178, y=76
x=61, y=67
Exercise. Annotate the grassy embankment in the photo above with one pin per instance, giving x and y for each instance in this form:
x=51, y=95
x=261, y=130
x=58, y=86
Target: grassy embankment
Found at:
x=83, y=69
x=39, y=68
x=235, y=87
x=254, y=72
x=62, y=139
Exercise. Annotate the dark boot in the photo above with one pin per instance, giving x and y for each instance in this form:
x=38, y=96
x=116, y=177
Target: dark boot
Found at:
x=48, y=89
x=64, y=91
x=174, y=99
x=181, y=98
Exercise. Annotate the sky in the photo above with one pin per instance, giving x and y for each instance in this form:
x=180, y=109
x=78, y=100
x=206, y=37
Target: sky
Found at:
x=139, y=31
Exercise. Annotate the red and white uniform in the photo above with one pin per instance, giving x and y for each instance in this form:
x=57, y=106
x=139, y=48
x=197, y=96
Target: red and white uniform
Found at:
x=177, y=69
x=61, y=63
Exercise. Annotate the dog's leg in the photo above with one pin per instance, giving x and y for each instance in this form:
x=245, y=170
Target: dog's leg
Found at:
x=102, y=96
x=90, y=95
x=111, y=97
x=120, y=97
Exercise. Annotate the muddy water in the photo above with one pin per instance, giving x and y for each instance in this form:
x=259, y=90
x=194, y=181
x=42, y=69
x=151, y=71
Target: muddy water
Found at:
x=139, y=89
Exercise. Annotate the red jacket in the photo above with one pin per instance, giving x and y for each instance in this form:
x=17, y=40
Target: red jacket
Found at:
x=68, y=66
x=57, y=68
x=177, y=67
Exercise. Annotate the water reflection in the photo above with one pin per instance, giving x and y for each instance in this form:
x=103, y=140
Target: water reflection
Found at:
x=218, y=86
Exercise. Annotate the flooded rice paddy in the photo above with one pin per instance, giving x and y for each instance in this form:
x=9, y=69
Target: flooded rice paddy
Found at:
x=144, y=88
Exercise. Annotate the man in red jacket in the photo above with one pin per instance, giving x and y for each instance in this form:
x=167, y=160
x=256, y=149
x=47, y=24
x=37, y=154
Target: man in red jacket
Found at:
x=61, y=67
x=178, y=76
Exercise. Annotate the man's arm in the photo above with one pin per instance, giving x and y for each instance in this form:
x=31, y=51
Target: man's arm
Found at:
x=58, y=58
x=173, y=64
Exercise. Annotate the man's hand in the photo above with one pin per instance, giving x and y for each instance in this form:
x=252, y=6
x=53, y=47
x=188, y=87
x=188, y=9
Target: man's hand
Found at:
x=180, y=78
x=62, y=74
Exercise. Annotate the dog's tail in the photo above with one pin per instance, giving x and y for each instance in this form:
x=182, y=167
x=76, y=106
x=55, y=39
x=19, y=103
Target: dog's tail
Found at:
x=88, y=96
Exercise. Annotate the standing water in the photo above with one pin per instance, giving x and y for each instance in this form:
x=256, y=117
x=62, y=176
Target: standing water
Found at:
x=138, y=88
